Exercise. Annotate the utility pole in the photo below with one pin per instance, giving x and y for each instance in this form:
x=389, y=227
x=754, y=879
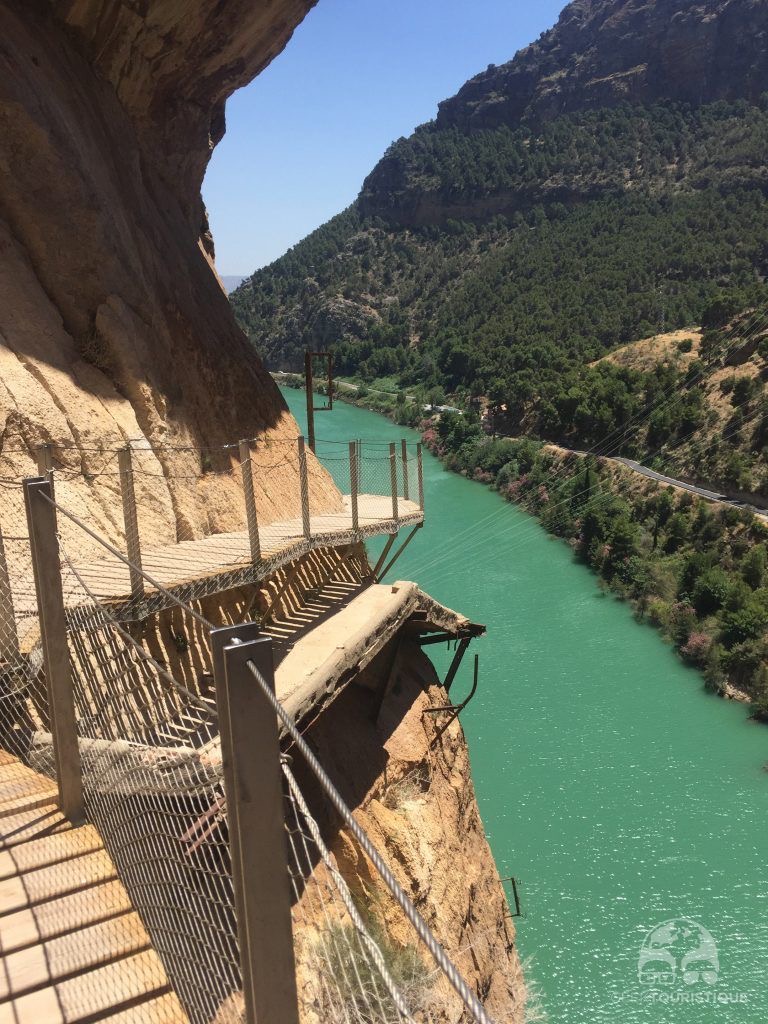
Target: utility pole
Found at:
x=309, y=385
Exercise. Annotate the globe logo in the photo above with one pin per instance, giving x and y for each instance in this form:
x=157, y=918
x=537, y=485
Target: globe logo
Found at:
x=678, y=951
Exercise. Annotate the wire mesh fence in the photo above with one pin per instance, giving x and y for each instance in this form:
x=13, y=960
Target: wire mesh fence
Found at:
x=151, y=771
x=355, y=964
x=361, y=963
x=151, y=761
x=376, y=469
x=204, y=519
x=22, y=703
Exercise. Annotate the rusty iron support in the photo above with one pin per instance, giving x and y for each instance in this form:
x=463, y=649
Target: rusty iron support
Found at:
x=304, y=487
x=309, y=385
x=382, y=557
x=456, y=663
x=511, y=878
x=399, y=552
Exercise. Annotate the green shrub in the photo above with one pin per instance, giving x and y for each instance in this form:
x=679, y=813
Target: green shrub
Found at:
x=745, y=623
x=710, y=591
x=753, y=566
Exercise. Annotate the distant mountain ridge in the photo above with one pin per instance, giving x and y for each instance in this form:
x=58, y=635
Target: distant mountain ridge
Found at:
x=607, y=184
x=232, y=281
x=600, y=55
x=604, y=52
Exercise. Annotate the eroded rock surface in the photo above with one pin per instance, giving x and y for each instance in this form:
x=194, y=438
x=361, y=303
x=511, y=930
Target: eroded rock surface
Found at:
x=604, y=52
x=113, y=324
x=406, y=774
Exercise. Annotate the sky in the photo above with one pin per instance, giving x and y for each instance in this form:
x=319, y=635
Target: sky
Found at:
x=356, y=75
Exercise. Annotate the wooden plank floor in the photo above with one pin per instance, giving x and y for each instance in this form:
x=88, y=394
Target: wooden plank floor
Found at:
x=178, y=565
x=72, y=948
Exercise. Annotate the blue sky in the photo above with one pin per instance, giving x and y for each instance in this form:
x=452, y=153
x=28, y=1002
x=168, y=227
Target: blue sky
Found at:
x=356, y=75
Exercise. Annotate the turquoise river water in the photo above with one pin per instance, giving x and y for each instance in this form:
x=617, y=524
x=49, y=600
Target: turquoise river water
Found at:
x=619, y=793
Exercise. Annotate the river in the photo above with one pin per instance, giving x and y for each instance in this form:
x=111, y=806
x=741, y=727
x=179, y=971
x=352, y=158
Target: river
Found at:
x=619, y=793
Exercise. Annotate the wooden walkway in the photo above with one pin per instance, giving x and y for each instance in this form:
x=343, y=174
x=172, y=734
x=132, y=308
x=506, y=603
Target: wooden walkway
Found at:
x=72, y=948
x=192, y=569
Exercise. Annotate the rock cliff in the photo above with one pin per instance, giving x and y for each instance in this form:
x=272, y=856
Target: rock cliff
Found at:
x=113, y=324
x=415, y=799
x=604, y=52
x=601, y=54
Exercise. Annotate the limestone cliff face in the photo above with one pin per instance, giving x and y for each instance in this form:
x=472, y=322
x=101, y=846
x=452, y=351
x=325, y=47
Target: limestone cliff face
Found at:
x=604, y=52
x=113, y=324
x=601, y=54
x=407, y=776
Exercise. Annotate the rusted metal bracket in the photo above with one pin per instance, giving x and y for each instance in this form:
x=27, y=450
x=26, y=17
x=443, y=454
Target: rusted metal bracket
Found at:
x=380, y=575
x=457, y=660
x=444, y=637
x=456, y=708
x=387, y=548
x=518, y=912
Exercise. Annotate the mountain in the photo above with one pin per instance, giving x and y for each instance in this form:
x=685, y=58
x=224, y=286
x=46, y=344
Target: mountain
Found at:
x=602, y=53
x=232, y=281
x=607, y=184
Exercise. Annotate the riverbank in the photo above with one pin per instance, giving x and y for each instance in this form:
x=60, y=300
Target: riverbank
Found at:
x=396, y=406
x=616, y=790
x=694, y=570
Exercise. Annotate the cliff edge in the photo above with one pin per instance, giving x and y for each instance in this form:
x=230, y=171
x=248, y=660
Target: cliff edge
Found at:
x=604, y=52
x=113, y=324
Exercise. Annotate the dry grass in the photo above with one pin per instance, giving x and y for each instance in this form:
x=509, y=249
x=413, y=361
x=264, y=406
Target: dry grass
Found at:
x=646, y=354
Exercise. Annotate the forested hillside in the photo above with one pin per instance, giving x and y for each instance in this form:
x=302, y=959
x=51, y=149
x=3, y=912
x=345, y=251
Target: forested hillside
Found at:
x=501, y=251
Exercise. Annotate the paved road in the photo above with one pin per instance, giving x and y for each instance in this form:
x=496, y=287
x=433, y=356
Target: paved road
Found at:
x=701, y=491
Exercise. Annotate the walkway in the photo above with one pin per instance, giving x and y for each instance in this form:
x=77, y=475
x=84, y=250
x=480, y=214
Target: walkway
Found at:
x=72, y=948
x=321, y=661
x=194, y=569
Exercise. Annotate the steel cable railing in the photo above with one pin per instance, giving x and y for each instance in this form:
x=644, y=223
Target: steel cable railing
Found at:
x=206, y=525
x=468, y=998
x=151, y=763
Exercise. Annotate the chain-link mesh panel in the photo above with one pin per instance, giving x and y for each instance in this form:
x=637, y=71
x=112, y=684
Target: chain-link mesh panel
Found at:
x=23, y=699
x=145, y=704
x=155, y=508
x=151, y=770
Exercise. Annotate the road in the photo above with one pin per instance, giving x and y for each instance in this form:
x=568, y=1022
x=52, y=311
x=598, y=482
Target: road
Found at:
x=702, y=492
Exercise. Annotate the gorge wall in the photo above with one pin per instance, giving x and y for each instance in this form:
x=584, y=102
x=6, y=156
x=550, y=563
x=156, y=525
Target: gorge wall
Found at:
x=114, y=327
x=113, y=324
x=406, y=774
x=604, y=52
x=600, y=55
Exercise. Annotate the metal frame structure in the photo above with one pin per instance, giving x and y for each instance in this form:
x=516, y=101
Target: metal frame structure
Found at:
x=309, y=385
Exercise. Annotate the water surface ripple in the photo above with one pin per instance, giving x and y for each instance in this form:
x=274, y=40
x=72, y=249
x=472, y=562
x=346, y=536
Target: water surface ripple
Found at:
x=615, y=789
